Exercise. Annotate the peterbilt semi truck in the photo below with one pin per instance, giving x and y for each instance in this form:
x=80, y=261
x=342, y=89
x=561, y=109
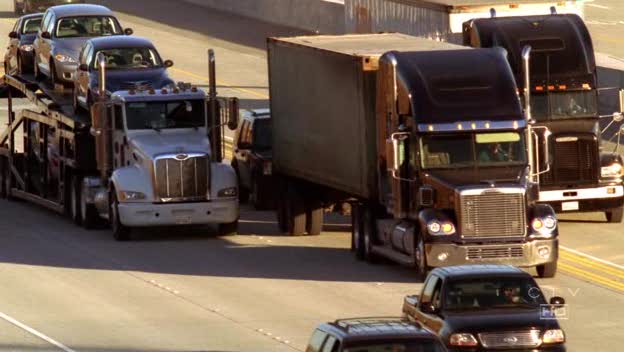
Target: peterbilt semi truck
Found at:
x=427, y=141
x=564, y=98
x=141, y=158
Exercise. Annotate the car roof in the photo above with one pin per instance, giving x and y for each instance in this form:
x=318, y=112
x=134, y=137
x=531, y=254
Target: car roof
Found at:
x=31, y=15
x=484, y=270
x=80, y=10
x=120, y=41
x=367, y=328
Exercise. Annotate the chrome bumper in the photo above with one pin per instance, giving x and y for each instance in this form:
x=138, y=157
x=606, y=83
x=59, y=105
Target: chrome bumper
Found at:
x=163, y=214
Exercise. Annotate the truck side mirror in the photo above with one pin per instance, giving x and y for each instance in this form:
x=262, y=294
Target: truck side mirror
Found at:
x=558, y=301
x=397, y=151
x=232, y=113
x=547, y=134
x=46, y=35
x=428, y=308
x=128, y=31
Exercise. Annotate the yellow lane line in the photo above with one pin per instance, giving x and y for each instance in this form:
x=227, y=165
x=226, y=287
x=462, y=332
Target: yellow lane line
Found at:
x=593, y=265
x=221, y=83
x=591, y=277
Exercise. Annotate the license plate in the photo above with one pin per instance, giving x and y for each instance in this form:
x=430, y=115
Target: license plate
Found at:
x=183, y=220
x=568, y=206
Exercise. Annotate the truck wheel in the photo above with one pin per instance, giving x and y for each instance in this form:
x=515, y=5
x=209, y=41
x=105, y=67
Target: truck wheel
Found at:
x=295, y=213
x=120, y=232
x=357, y=238
x=314, y=218
x=74, y=199
x=229, y=229
x=615, y=215
x=257, y=197
x=420, y=257
x=88, y=213
x=368, y=230
x=547, y=270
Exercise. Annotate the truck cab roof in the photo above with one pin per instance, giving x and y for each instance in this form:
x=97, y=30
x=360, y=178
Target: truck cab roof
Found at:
x=362, y=329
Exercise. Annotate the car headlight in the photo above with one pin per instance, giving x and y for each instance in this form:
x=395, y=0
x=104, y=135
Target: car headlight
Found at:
x=613, y=170
x=131, y=195
x=228, y=192
x=64, y=58
x=26, y=47
x=553, y=336
x=463, y=340
x=442, y=228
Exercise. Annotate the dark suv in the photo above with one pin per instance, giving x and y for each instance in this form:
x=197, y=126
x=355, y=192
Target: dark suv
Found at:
x=373, y=334
x=252, y=158
x=487, y=307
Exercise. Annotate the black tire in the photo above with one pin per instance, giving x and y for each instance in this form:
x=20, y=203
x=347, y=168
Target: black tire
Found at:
x=369, y=233
x=357, y=236
x=295, y=212
x=420, y=258
x=120, y=231
x=314, y=218
x=548, y=270
x=257, y=196
x=74, y=199
x=615, y=215
x=228, y=229
x=88, y=213
x=53, y=79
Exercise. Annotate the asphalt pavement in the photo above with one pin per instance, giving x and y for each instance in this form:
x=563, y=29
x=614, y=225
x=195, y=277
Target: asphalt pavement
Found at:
x=68, y=289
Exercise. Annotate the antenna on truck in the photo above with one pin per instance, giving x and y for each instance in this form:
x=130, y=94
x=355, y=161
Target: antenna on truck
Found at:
x=102, y=73
x=214, y=122
x=492, y=12
x=553, y=10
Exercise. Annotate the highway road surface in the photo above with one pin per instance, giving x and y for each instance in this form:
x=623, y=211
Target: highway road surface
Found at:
x=67, y=289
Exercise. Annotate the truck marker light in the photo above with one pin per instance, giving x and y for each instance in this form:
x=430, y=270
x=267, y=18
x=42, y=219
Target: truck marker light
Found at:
x=430, y=128
x=537, y=224
x=586, y=86
x=459, y=126
x=473, y=125
x=539, y=88
x=563, y=87
x=553, y=336
x=463, y=340
x=487, y=125
x=514, y=6
x=551, y=87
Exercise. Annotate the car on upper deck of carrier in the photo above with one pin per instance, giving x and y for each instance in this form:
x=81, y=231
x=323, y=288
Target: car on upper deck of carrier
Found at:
x=131, y=63
x=63, y=32
x=19, y=57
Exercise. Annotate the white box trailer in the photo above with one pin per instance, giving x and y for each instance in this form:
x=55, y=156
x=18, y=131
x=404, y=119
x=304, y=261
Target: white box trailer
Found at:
x=441, y=19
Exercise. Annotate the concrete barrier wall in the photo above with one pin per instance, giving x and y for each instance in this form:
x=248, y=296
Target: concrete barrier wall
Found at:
x=323, y=16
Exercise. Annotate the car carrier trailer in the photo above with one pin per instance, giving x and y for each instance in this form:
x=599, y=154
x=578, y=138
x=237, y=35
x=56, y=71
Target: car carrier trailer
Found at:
x=127, y=161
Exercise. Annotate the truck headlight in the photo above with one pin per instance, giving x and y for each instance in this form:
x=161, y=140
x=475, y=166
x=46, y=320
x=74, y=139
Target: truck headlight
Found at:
x=442, y=228
x=64, y=58
x=463, y=340
x=131, y=195
x=613, y=170
x=553, y=336
x=228, y=192
x=26, y=47
x=544, y=226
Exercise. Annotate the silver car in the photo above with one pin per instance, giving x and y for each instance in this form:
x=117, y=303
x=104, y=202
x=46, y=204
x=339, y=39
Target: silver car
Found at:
x=63, y=31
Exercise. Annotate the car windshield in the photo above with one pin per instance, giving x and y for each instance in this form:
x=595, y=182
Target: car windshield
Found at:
x=31, y=25
x=407, y=346
x=165, y=115
x=564, y=105
x=510, y=292
x=129, y=58
x=469, y=150
x=87, y=26
x=262, y=134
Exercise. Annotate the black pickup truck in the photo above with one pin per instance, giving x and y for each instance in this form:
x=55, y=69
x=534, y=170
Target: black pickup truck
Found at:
x=487, y=307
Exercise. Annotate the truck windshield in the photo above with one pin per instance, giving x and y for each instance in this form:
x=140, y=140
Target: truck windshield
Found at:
x=564, y=105
x=163, y=115
x=470, y=150
x=416, y=346
x=87, y=26
x=128, y=58
x=469, y=294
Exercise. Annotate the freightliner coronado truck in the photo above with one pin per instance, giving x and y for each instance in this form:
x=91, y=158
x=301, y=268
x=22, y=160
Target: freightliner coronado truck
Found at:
x=428, y=143
x=142, y=158
x=564, y=98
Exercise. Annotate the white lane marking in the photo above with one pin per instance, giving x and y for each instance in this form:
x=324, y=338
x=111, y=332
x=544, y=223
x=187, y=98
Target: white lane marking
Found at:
x=598, y=6
x=605, y=262
x=35, y=332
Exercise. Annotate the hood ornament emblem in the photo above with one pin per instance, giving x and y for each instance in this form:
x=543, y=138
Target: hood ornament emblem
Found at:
x=512, y=340
x=181, y=156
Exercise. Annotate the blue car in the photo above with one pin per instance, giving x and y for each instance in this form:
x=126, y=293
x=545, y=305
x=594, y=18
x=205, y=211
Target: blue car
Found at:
x=131, y=63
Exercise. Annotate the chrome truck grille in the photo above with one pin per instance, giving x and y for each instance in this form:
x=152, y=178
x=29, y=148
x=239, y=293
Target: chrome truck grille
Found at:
x=574, y=160
x=492, y=213
x=182, y=177
x=510, y=339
